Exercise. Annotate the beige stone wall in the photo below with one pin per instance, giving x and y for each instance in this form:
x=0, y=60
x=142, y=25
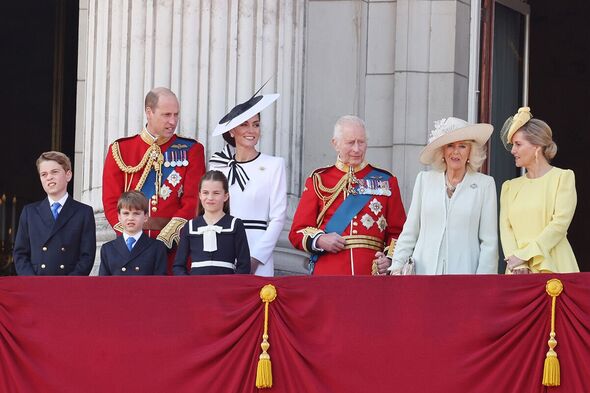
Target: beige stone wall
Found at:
x=398, y=64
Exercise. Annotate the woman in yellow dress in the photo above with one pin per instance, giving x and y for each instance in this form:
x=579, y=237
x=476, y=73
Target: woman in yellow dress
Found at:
x=536, y=208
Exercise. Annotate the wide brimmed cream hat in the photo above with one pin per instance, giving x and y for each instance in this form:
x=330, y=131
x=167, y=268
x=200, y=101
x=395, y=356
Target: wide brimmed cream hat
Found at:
x=242, y=112
x=452, y=130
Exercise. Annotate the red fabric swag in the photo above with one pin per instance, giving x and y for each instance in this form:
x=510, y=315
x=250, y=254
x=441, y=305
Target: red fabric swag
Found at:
x=327, y=334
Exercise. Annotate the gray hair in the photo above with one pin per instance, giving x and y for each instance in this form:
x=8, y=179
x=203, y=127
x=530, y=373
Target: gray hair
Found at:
x=476, y=158
x=344, y=120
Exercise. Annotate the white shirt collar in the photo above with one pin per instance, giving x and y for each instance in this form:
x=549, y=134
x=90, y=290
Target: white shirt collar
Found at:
x=61, y=201
x=136, y=236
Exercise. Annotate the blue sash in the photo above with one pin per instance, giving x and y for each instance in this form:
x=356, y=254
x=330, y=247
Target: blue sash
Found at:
x=179, y=146
x=345, y=212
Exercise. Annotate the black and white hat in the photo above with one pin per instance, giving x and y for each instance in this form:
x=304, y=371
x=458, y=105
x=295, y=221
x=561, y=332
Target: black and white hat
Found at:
x=241, y=113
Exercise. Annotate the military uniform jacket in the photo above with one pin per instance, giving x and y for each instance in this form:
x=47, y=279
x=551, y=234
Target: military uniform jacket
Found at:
x=48, y=247
x=147, y=257
x=231, y=256
x=372, y=229
x=182, y=162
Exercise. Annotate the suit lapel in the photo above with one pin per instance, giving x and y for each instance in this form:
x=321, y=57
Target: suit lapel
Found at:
x=67, y=211
x=44, y=212
x=123, y=254
x=140, y=246
x=122, y=249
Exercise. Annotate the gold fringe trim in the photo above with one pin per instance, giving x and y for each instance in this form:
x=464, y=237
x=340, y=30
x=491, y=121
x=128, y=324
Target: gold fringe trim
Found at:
x=551, y=371
x=268, y=293
x=152, y=158
x=332, y=193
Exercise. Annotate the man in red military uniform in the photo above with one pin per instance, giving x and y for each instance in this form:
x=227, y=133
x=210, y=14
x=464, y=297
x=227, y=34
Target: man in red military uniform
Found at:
x=167, y=168
x=351, y=213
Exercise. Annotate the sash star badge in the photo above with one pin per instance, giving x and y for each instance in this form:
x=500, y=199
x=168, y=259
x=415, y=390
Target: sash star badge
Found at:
x=165, y=192
x=174, y=178
x=382, y=223
x=375, y=206
x=367, y=221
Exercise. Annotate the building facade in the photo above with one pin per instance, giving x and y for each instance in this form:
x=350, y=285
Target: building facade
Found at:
x=400, y=65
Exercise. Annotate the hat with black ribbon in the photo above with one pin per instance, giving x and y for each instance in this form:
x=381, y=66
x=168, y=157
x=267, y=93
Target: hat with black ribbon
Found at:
x=242, y=112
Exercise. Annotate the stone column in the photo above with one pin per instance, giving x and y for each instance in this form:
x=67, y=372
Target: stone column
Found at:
x=431, y=77
x=212, y=54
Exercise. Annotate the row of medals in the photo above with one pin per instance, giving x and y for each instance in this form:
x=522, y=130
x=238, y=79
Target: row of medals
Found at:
x=181, y=161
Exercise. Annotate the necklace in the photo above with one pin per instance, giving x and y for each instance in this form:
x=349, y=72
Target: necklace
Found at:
x=450, y=188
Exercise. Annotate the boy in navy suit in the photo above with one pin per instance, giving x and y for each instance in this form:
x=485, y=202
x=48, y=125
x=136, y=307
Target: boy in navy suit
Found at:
x=133, y=253
x=56, y=236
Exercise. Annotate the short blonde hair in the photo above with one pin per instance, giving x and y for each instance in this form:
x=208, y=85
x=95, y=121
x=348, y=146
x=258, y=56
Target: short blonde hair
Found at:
x=57, y=156
x=476, y=157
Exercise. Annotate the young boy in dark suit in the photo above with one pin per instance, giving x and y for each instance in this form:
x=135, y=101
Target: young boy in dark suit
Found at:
x=56, y=236
x=133, y=253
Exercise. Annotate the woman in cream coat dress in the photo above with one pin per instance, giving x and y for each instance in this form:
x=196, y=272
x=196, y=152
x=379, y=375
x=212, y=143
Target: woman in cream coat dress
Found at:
x=452, y=223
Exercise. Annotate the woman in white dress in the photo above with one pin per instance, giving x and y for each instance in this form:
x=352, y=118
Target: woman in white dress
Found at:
x=452, y=224
x=257, y=184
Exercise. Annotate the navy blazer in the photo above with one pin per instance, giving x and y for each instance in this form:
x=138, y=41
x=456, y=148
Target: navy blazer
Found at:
x=48, y=247
x=148, y=257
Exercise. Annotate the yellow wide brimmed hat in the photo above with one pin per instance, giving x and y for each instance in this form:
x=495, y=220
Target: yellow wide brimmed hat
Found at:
x=453, y=129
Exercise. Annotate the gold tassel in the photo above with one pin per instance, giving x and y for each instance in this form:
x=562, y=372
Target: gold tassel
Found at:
x=551, y=372
x=264, y=370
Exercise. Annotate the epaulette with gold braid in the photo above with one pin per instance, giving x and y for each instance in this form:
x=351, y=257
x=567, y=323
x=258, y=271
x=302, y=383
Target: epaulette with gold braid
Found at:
x=382, y=170
x=320, y=170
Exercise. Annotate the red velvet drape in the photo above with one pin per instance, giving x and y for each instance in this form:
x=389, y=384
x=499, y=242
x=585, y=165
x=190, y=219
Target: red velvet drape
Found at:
x=327, y=334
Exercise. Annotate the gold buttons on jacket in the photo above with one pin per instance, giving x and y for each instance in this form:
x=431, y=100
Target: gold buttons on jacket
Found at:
x=354, y=232
x=355, y=223
x=62, y=267
x=124, y=269
x=44, y=248
x=154, y=209
x=42, y=266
